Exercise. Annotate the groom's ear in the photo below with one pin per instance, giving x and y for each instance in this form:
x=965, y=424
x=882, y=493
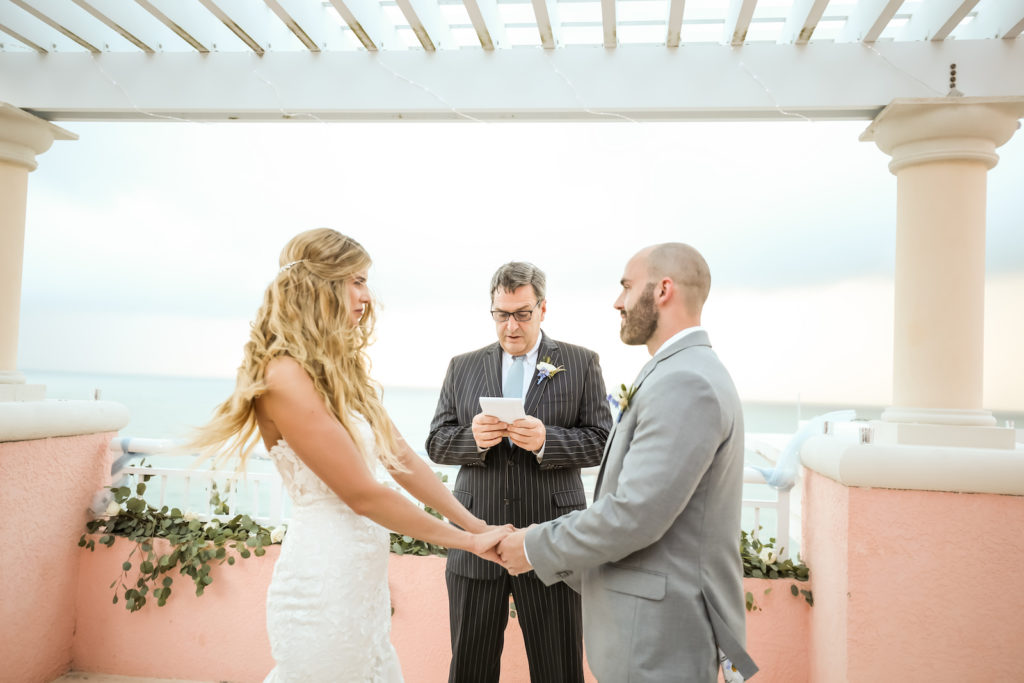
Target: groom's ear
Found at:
x=664, y=290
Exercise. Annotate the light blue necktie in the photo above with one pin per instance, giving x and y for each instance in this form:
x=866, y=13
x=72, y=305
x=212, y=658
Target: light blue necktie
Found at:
x=514, y=381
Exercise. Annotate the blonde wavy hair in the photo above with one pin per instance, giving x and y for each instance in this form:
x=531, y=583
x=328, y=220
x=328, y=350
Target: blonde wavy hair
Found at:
x=305, y=315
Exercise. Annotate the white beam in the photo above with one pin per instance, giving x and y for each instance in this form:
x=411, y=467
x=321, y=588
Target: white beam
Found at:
x=701, y=82
x=803, y=18
x=675, y=22
x=548, y=23
x=996, y=19
x=425, y=20
x=490, y=29
x=369, y=23
x=868, y=20
x=609, y=23
x=737, y=21
x=936, y=19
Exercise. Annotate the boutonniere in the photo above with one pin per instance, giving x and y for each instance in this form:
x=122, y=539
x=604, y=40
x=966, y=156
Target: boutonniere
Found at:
x=621, y=399
x=546, y=369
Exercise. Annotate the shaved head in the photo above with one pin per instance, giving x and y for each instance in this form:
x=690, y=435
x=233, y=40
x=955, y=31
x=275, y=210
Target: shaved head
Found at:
x=684, y=266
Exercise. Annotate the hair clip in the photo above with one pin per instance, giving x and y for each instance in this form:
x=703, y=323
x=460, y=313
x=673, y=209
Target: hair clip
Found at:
x=289, y=265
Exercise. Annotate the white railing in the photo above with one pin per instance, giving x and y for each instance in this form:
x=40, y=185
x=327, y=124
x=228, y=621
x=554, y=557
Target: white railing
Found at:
x=261, y=495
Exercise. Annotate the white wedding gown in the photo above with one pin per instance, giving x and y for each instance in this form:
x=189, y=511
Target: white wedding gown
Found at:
x=328, y=605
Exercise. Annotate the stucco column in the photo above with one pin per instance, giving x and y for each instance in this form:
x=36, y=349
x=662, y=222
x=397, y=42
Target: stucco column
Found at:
x=22, y=137
x=942, y=149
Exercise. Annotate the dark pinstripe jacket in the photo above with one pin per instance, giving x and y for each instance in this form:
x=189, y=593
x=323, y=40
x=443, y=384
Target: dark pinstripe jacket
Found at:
x=506, y=484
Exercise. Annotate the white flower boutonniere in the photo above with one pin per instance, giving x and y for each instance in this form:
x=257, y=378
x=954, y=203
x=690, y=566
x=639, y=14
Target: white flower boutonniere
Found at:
x=546, y=369
x=620, y=400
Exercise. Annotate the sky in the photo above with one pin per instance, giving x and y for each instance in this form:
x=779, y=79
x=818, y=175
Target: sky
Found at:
x=149, y=244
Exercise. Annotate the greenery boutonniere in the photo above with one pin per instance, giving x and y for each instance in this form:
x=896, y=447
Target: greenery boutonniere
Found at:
x=546, y=369
x=621, y=399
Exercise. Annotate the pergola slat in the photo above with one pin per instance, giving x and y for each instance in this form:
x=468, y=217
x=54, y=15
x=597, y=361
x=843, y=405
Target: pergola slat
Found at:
x=675, y=22
x=996, y=19
x=737, y=21
x=490, y=29
x=23, y=40
x=233, y=26
x=292, y=25
x=608, y=23
x=113, y=25
x=369, y=24
x=56, y=24
x=425, y=20
x=548, y=24
x=173, y=25
x=868, y=20
x=936, y=19
x=803, y=18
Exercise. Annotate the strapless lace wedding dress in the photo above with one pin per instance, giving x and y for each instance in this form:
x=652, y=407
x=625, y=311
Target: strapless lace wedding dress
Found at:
x=328, y=605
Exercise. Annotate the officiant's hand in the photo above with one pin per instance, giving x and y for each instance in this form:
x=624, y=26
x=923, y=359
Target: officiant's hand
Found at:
x=485, y=544
x=527, y=432
x=512, y=553
x=488, y=430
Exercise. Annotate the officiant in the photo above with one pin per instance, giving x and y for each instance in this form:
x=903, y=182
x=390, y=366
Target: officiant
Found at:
x=520, y=473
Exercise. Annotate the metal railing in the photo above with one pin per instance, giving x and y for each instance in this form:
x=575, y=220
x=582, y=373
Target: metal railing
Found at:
x=262, y=496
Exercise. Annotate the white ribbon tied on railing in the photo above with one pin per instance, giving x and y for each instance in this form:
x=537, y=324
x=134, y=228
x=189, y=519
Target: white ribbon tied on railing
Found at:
x=783, y=475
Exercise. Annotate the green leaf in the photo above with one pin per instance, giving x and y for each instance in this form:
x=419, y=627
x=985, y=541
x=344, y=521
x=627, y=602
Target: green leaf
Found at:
x=126, y=566
x=140, y=489
x=794, y=590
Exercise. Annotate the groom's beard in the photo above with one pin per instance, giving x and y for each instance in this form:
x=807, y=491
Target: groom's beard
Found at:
x=639, y=322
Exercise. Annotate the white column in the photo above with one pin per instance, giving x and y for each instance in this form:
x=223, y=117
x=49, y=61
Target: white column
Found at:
x=22, y=137
x=942, y=149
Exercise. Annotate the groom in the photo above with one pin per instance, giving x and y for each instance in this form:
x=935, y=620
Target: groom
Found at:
x=657, y=554
x=520, y=474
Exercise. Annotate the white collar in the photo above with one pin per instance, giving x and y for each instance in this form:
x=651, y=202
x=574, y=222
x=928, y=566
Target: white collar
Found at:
x=677, y=336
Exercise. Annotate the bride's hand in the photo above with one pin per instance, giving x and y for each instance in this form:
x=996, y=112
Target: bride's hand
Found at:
x=485, y=544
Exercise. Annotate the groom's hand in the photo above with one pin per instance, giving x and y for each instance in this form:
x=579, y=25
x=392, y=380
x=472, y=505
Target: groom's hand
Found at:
x=488, y=431
x=513, y=554
x=528, y=432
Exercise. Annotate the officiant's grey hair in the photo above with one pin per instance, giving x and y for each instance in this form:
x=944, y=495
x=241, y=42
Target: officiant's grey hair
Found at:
x=516, y=274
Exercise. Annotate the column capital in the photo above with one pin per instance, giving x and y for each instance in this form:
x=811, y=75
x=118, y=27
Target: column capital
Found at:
x=23, y=136
x=922, y=130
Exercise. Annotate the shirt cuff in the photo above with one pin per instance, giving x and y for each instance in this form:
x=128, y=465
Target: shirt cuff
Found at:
x=540, y=453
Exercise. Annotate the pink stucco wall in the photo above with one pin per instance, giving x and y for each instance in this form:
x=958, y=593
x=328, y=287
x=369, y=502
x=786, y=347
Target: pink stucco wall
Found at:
x=222, y=636
x=913, y=585
x=46, y=488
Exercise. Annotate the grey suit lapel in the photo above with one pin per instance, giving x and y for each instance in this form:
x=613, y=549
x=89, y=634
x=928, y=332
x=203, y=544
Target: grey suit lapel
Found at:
x=699, y=338
x=548, y=348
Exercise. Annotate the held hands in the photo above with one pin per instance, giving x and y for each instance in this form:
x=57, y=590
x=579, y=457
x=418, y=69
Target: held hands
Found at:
x=512, y=553
x=485, y=543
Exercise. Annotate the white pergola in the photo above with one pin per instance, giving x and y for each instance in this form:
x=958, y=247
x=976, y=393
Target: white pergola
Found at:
x=75, y=60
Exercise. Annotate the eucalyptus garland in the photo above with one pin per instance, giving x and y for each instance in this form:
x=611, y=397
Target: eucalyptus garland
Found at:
x=761, y=561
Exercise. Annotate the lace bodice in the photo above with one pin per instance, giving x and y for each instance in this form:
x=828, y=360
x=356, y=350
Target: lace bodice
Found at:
x=301, y=483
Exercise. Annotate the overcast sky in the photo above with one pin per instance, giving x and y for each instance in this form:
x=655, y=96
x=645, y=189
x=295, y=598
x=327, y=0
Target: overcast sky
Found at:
x=149, y=244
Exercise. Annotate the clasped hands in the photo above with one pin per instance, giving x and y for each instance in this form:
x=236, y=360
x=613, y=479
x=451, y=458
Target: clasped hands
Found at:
x=526, y=432
x=504, y=545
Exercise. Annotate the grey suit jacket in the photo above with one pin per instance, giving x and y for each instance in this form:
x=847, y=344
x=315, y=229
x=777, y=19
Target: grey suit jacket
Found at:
x=506, y=484
x=657, y=554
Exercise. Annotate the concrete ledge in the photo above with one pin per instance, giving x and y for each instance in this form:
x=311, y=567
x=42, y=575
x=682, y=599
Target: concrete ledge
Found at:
x=30, y=420
x=916, y=468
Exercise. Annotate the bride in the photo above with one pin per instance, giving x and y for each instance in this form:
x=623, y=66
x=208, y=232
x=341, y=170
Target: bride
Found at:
x=304, y=389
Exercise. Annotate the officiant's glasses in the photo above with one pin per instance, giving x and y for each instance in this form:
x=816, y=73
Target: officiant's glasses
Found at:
x=520, y=316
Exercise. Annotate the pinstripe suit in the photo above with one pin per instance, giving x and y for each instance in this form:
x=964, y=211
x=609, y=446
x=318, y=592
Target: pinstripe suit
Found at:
x=506, y=485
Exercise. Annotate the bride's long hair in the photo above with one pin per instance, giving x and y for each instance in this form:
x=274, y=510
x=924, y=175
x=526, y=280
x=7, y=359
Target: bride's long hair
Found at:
x=305, y=315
